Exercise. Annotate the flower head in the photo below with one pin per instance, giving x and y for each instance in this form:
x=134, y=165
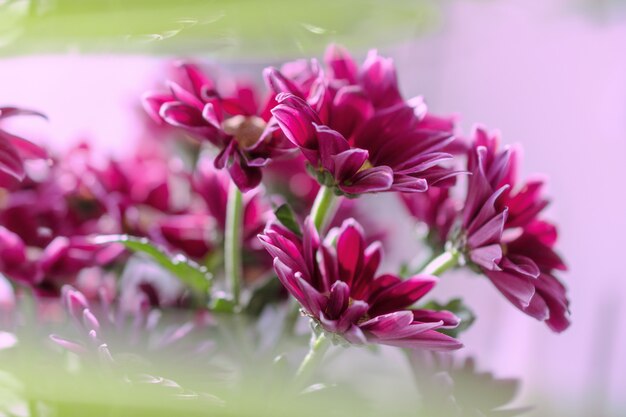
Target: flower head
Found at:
x=499, y=229
x=504, y=236
x=355, y=129
x=231, y=120
x=337, y=286
x=389, y=151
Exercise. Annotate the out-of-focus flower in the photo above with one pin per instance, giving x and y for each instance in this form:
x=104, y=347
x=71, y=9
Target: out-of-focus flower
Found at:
x=122, y=326
x=504, y=237
x=47, y=220
x=457, y=389
x=436, y=209
x=133, y=344
x=146, y=194
x=337, y=286
x=226, y=114
x=212, y=186
x=14, y=149
x=47, y=268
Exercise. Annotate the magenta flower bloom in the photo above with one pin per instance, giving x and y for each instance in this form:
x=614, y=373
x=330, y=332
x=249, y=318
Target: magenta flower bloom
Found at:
x=354, y=127
x=344, y=95
x=14, y=149
x=47, y=268
x=504, y=237
x=230, y=120
x=389, y=152
x=337, y=286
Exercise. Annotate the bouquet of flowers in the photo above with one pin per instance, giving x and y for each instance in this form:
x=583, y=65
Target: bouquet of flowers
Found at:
x=228, y=266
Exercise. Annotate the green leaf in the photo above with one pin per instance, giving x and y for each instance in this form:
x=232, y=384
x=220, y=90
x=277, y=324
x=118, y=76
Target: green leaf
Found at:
x=223, y=305
x=266, y=293
x=195, y=276
x=287, y=218
x=457, y=307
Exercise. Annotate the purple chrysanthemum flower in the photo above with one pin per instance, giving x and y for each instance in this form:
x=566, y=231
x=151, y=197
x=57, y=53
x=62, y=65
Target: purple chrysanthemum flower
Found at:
x=354, y=127
x=389, y=151
x=14, y=149
x=337, y=286
x=498, y=228
x=230, y=120
x=504, y=237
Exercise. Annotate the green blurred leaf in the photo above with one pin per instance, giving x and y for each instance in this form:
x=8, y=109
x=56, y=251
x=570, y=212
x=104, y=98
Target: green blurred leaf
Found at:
x=287, y=217
x=272, y=29
x=195, y=276
x=223, y=305
x=267, y=292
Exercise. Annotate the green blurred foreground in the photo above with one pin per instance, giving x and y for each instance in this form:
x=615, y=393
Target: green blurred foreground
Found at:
x=268, y=28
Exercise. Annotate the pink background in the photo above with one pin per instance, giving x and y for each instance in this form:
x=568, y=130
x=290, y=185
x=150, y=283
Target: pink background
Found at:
x=548, y=77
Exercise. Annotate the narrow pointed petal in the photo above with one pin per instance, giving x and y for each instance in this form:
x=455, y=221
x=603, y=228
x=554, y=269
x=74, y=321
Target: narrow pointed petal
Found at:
x=370, y=180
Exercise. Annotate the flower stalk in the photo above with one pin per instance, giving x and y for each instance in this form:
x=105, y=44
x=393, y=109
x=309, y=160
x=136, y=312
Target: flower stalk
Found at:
x=324, y=208
x=233, y=241
x=447, y=260
x=319, y=347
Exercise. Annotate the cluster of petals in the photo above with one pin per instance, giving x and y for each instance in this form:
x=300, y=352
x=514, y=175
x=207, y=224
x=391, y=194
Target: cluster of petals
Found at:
x=227, y=115
x=500, y=230
x=506, y=237
x=48, y=220
x=354, y=127
x=105, y=325
x=337, y=285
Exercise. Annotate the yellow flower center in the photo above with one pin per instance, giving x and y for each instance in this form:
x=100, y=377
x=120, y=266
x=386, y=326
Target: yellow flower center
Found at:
x=245, y=129
x=366, y=165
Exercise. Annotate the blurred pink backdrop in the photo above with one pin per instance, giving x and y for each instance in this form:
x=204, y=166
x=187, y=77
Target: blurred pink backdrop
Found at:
x=545, y=75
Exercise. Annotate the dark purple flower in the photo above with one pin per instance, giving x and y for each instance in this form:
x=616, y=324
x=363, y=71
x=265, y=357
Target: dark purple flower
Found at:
x=354, y=127
x=388, y=152
x=230, y=120
x=503, y=235
x=336, y=284
x=192, y=234
x=14, y=149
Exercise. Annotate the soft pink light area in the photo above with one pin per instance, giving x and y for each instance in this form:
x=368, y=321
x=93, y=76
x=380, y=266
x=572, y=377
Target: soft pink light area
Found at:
x=94, y=98
x=548, y=77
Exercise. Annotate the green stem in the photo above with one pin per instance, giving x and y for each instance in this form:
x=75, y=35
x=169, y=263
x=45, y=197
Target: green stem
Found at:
x=232, y=241
x=324, y=208
x=319, y=346
x=439, y=265
x=291, y=319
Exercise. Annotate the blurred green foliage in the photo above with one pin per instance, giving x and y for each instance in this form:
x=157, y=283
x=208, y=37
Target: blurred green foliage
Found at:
x=252, y=28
